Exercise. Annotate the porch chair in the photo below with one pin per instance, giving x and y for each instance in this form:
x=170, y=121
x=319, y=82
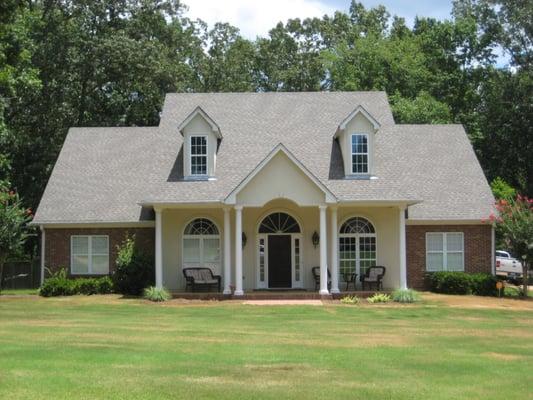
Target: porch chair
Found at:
x=373, y=276
x=316, y=276
x=201, y=278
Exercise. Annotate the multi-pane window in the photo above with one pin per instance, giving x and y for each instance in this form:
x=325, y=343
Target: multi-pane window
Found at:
x=445, y=251
x=262, y=259
x=296, y=259
x=201, y=245
x=359, y=153
x=198, y=155
x=89, y=255
x=357, y=247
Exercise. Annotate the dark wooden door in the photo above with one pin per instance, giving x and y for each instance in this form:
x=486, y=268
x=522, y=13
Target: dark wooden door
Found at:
x=279, y=261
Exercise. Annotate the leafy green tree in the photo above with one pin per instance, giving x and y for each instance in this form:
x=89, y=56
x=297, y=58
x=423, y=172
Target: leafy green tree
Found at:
x=502, y=190
x=13, y=227
x=424, y=109
x=515, y=223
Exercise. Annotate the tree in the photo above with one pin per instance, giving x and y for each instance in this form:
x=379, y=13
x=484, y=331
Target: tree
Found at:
x=502, y=190
x=13, y=227
x=515, y=223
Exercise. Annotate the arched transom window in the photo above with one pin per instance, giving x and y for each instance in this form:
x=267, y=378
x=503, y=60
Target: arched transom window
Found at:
x=357, y=247
x=279, y=222
x=201, y=245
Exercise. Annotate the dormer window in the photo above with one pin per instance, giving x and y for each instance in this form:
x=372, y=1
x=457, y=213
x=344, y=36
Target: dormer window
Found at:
x=359, y=153
x=201, y=138
x=198, y=155
x=356, y=136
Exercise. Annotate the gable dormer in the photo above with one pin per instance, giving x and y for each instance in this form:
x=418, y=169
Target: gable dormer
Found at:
x=356, y=136
x=201, y=136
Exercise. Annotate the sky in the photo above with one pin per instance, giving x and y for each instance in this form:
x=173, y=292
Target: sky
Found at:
x=257, y=17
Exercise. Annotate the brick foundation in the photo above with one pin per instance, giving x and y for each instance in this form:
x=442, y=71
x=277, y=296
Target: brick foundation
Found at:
x=477, y=247
x=57, y=246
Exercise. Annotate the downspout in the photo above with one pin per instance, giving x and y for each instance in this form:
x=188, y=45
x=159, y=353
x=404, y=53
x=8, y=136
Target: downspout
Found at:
x=43, y=253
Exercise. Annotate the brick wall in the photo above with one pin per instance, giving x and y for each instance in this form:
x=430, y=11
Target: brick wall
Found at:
x=477, y=247
x=57, y=246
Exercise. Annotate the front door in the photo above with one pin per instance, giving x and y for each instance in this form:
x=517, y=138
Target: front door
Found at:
x=279, y=261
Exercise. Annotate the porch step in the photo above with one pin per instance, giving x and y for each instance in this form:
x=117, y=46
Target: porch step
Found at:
x=272, y=295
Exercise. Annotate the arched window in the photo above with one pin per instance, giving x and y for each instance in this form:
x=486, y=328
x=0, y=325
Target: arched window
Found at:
x=357, y=247
x=279, y=222
x=201, y=245
x=357, y=225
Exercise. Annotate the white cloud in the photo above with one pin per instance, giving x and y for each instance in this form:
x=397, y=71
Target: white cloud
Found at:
x=255, y=17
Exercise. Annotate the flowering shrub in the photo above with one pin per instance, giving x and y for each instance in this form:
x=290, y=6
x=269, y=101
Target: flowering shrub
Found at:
x=13, y=226
x=514, y=222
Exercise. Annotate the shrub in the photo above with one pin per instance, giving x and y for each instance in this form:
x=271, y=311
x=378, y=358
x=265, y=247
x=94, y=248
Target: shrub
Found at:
x=134, y=270
x=156, y=294
x=483, y=284
x=405, y=296
x=449, y=282
x=104, y=285
x=379, y=298
x=58, y=285
x=350, y=300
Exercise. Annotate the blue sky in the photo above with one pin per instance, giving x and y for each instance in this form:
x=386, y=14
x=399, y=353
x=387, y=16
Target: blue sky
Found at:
x=256, y=17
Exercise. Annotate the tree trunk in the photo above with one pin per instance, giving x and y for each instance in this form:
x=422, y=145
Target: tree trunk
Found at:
x=525, y=278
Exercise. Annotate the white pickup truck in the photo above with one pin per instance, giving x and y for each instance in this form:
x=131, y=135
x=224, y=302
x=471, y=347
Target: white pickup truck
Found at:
x=507, y=266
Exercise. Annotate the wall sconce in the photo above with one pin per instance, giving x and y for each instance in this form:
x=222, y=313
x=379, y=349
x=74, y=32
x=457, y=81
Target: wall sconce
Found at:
x=244, y=239
x=316, y=239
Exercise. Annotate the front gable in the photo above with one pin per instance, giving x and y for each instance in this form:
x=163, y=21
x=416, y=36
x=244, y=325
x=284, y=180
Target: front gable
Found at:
x=280, y=175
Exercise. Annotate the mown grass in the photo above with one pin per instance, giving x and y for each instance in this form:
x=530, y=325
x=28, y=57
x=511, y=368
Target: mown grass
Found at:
x=103, y=347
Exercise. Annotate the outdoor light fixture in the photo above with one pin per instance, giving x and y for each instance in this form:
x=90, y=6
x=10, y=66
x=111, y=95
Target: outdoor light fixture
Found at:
x=316, y=239
x=244, y=239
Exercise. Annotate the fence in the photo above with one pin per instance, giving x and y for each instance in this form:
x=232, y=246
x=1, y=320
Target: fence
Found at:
x=21, y=274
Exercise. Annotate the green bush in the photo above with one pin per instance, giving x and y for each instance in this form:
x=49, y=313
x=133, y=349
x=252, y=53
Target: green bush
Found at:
x=405, y=296
x=449, y=282
x=156, y=294
x=134, y=270
x=60, y=285
x=379, y=298
x=483, y=284
x=350, y=300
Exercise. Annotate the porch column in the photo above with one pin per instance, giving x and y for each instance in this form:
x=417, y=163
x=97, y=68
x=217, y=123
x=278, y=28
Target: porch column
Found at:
x=43, y=253
x=323, y=252
x=158, y=250
x=238, y=251
x=334, y=252
x=227, y=251
x=403, y=261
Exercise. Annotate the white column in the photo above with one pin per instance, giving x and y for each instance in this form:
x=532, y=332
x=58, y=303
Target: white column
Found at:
x=227, y=251
x=403, y=261
x=334, y=252
x=158, y=250
x=323, y=252
x=43, y=253
x=238, y=251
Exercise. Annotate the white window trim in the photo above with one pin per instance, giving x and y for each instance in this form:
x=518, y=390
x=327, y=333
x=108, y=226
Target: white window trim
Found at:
x=353, y=173
x=89, y=255
x=215, y=266
x=444, y=251
x=206, y=156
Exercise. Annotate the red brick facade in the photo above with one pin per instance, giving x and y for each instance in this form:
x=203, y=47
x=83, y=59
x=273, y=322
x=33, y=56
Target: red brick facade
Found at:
x=477, y=248
x=57, y=246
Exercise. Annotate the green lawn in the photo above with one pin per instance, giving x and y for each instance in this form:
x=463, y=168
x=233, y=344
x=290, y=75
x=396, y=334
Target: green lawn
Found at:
x=103, y=347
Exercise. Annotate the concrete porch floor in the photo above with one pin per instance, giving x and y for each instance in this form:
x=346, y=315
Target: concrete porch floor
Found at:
x=274, y=295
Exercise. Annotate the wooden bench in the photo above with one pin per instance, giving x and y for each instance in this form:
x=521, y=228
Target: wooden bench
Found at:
x=201, y=278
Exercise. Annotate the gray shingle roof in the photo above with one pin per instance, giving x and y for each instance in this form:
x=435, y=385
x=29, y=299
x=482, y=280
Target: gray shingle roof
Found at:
x=103, y=173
